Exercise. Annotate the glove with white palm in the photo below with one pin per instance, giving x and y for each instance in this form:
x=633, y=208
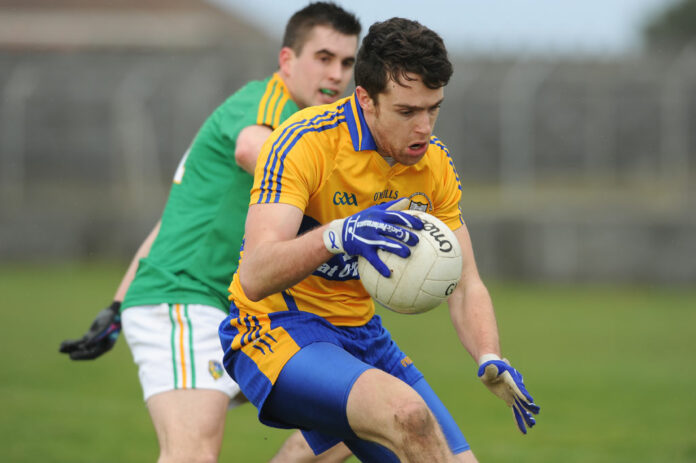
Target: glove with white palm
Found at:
x=506, y=382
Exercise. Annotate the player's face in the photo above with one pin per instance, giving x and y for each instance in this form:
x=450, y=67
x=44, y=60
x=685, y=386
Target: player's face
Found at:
x=322, y=70
x=403, y=118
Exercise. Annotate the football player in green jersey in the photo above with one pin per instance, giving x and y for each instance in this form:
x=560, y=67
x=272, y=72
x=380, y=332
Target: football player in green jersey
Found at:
x=174, y=294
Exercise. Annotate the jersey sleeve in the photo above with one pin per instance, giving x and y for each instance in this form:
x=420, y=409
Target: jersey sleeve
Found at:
x=447, y=197
x=258, y=103
x=288, y=168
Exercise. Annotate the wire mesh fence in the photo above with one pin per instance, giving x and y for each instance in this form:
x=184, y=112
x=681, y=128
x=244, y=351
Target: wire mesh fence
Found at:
x=571, y=168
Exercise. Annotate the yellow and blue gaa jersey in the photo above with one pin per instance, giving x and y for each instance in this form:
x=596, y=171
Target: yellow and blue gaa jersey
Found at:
x=323, y=160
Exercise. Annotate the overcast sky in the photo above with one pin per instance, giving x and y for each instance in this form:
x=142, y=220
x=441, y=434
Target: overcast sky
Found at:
x=596, y=27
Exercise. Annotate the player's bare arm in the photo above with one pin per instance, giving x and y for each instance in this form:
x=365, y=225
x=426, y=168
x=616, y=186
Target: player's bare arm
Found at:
x=471, y=309
x=142, y=251
x=248, y=146
x=275, y=258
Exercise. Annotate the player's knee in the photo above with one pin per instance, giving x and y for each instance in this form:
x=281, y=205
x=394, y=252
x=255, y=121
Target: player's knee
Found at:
x=414, y=420
x=200, y=455
x=189, y=450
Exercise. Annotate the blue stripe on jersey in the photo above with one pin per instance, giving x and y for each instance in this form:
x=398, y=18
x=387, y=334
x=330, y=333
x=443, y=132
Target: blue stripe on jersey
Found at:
x=277, y=144
x=352, y=126
x=266, y=171
x=289, y=301
x=366, y=142
x=288, y=138
x=311, y=125
x=437, y=142
x=279, y=176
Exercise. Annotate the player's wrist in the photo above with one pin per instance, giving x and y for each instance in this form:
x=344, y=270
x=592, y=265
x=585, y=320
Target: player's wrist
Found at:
x=332, y=236
x=115, y=306
x=488, y=357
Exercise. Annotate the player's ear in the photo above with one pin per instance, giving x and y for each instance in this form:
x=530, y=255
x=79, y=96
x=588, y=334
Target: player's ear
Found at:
x=285, y=59
x=364, y=99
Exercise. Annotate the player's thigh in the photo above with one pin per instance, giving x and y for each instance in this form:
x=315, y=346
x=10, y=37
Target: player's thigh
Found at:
x=312, y=389
x=177, y=346
x=192, y=412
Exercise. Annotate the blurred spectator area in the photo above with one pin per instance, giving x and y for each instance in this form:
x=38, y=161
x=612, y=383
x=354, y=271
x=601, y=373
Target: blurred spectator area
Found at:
x=573, y=168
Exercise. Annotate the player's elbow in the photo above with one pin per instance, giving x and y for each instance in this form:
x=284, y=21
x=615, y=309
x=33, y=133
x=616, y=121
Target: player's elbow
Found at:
x=251, y=287
x=245, y=158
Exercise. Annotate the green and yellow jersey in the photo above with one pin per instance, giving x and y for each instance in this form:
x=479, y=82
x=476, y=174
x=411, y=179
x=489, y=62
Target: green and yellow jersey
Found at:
x=323, y=160
x=196, y=251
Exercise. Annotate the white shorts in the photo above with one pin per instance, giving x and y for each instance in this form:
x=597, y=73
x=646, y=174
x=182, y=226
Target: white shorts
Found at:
x=176, y=346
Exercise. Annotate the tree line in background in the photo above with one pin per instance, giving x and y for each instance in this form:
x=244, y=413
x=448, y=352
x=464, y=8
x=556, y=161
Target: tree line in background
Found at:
x=672, y=28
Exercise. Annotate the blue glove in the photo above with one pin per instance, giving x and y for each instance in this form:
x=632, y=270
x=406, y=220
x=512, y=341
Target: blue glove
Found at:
x=377, y=227
x=100, y=338
x=506, y=382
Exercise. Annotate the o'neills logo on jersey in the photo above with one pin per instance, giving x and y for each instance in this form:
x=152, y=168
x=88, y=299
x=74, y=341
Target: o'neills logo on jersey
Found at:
x=386, y=194
x=342, y=198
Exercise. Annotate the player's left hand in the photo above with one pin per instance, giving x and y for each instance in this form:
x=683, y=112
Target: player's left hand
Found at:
x=100, y=338
x=506, y=382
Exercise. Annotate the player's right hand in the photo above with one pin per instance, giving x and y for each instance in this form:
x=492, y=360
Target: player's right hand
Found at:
x=100, y=338
x=506, y=382
x=383, y=226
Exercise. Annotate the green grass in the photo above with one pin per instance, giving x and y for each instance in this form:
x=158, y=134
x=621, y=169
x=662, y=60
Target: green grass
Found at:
x=612, y=368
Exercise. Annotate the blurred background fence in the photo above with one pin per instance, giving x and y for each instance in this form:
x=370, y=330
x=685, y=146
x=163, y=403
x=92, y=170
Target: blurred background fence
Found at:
x=573, y=169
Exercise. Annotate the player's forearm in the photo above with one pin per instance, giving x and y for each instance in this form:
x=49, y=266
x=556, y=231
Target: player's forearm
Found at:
x=274, y=266
x=142, y=251
x=472, y=314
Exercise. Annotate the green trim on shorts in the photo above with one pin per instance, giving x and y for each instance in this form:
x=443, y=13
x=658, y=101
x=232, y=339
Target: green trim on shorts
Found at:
x=171, y=318
x=193, y=361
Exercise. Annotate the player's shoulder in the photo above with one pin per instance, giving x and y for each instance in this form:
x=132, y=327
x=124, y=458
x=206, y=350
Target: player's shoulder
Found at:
x=438, y=146
x=438, y=151
x=315, y=120
x=251, y=91
x=321, y=115
x=439, y=157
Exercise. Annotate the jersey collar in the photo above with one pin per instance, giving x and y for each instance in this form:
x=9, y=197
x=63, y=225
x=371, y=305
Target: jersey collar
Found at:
x=359, y=132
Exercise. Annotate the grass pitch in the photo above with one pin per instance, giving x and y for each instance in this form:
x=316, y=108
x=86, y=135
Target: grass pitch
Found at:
x=612, y=368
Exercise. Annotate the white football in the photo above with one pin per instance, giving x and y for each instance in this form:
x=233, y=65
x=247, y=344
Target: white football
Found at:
x=421, y=281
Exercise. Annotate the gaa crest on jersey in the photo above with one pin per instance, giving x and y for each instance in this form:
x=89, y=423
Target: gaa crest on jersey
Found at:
x=215, y=369
x=343, y=198
x=420, y=202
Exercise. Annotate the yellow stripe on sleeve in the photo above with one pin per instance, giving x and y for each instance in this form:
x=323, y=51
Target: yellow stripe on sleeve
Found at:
x=279, y=110
x=268, y=120
x=261, y=114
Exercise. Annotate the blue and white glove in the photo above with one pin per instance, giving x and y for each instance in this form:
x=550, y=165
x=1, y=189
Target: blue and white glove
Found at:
x=378, y=227
x=506, y=382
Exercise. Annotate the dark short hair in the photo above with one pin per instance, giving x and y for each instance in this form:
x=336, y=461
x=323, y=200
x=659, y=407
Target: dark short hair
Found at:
x=318, y=14
x=396, y=47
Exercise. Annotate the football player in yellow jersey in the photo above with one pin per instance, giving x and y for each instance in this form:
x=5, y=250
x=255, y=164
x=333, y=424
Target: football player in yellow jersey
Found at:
x=302, y=338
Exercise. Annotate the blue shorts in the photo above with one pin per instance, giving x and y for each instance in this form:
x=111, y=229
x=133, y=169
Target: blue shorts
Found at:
x=310, y=393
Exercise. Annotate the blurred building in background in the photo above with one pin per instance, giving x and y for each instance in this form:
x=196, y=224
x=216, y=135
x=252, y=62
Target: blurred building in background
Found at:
x=573, y=169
